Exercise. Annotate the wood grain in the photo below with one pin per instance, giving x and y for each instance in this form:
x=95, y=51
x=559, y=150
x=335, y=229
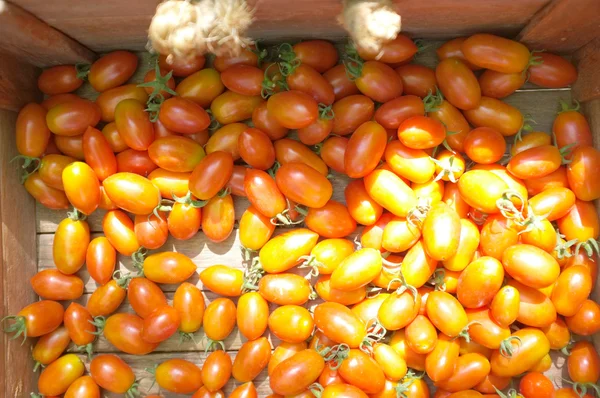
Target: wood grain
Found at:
x=18, y=83
x=587, y=59
x=18, y=254
x=563, y=26
x=35, y=42
x=115, y=24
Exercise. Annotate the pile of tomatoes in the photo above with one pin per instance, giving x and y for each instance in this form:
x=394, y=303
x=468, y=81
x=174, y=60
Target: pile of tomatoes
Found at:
x=476, y=251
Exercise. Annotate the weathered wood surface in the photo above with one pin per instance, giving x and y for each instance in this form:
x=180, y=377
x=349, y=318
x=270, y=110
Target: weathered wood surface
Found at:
x=18, y=262
x=18, y=83
x=563, y=26
x=115, y=24
x=35, y=42
x=587, y=59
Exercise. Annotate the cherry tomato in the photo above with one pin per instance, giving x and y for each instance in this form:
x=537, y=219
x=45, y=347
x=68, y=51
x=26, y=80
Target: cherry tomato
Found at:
x=111, y=373
x=32, y=134
x=532, y=347
x=284, y=351
x=446, y=313
x=421, y=132
x=189, y=303
x=390, y=191
x=479, y=282
x=50, y=347
x=481, y=189
x=458, y=83
x=219, y=319
x=98, y=153
x=243, y=79
x=285, y=251
x=583, y=363
x=467, y=245
x=251, y=359
x=182, y=66
x=132, y=193
x=454, y=121
x=362, y=208
x=183, y=116
x=412, y=164
x=484, y=330
x=51, y=168
x=496, y=53
x=553, y=203
x=421, y=335
x=150, y=76
x=484, y=145
x=551, y=70
x=59, y=79
x=360, y=370
x=530, y=265
x=499, y=85
x=398, y=310
x=327, y=293
x=70, y=146
x=558, y=334
x=267, y=123
x=176, y=154
x=56, y=378
x=145, y=296
x=586, y=321
x=236, y=182
x=204, y=393
x=440, y=363
x=168, y=267
x=350, y=112
x=295, y=374
x=161, y=324
x=392, y=113
x=108, y=100
x=417, y=265
x=211, y=175
x=255, y=229
x=342, y=85
x=330, y=221
x=319, y=54
x=112, y=70
x=179, y=376
x=535, y=308
x=531, y=140
x=79, y=323
x=535, y=384
x=580, y=223
x=333, y=153
x=571, y=127
x=216, y=370
x=223, y=280
x=365, y=148
x=138, y=162
x=329, y=253
x=245, y=57
x=81, y=187
x=218, y=218
x=377, y=81
x=496, y=114
x=293, y=109
x=252, y=315
x=134, y=125
x=390, y=361
x=70, y=245
x=417, y=80
x=85, y=386
x=441, y=246
x=263, y=193
x=291, y=323
x=470, y=370
x=231, y=107
x=256, y=149
x=119, y=231
x=340, y=324
x=124, y=331
x=303, y=184
x=226, y=139
x=584, y=159
x=106, y=299
x=452, y=48
x=357, y=270
x=292, y=151
x=58, y=99
x=572, y=288
x=68, y=119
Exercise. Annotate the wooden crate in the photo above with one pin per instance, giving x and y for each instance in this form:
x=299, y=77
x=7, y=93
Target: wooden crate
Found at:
x=35, y=34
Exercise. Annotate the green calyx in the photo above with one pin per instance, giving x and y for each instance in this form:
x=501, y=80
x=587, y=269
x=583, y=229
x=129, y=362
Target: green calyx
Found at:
x=507, y=348
x=18, y=327
x=159, y=85
x=189, y=200
x=525, y=127
x=352, y=62
x=99, y=322
x=272, y=85
x=565, y=107
x=326, y=112
x=76, y=215
x=214, y=123
x=30, y=165
x=335, y=355
x=288, y=60
x=82, y=70
x=138, y=261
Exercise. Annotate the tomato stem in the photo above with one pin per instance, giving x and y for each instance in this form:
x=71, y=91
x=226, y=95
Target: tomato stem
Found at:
x=432, y=101
x=183, y=337
x=564, y=107
x=590, y=246
x=82, y=70
x=437, y=279
x=326, y=112
x=261, y=53
x=506, y=346
x=88, y=349
x=316, y=389
x=99, y=322
x=19, y=327
x=76, y=215
x=28, y=161
x=214, y=123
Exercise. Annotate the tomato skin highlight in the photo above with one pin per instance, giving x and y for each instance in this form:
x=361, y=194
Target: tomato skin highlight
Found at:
x=441, y=217
x=176, y=154
x=32, y=134
x=365, y=148
x=132, y=193
x=256, y=149
x=85, y=386
x=293, y=109
x=161, y=324
x=305, y=367
x=330, y=221
x=421, y=132
x=553, y=72
x=98, y=153
x=50, y=346
x=81, y=187
x=360, y=370
x=211, y=175
x=303, y=184
x=70, y=245
x=495, y=53
x=534, y=345
x=216, y=370
x=134, y=125
x=179, y=376
x=56, y=378
x=145, y=296
x=124, y=331
x=351, y=112
x=111, y=373
x=251, y=359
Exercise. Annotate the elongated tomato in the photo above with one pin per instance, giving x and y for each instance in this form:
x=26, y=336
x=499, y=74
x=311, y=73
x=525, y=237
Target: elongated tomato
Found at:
x=479, y=282
x=330, y=221
x=119, y=231
x=446, y=313
x=481, y=189
x=285, y=251
x=458, y=83
x=441, y=218
x=530, y=265
x=70, y=245
x=530, y=350
x=175, y=153
x=223, y=280
x=124, y=331
x=470, y=370
x=297, y=373
x=418, y=266
x=52, y=284
x=32, y=133
x=218, y=218
x=98, y=153
x=393, y=194
x=255, y=229
x=81, y=187
x=340, y=324
x=56, y=378
x=357, y=270
x=303, y=184
x=168, y=267
x=285, y=289
x=496, y=53
x=132, y=193
x=535, y=308
x=365, y=149
x=496, y=114
x=72, y=117
x=211, y=175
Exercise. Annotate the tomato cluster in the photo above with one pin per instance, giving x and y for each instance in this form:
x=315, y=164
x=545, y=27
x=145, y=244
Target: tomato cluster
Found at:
x=468, y=266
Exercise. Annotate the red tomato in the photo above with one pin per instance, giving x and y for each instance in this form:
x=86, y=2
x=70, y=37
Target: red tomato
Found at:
x=175, y=153
x=365, y=149
x=470, y=370
x=218, y=218
x=440, y=362
x=226, y=139
x=118, y=228
x=479, y=283
x=178, y=376
x=80, y=324
x=316, y=132
x=85, y=386
x=584, y=363
x=530, y=265
x=236, y=182
x=52, y=284
x=256, y=149
x=360, y=370
x=251, y=359
x=350, y=112
x=106, y=299
x=145, y=296
x=421, y=132
x=51, y=168
x=303, y=184
x=496, y=53
x=531, y=348
x=243, y=79
x=412, y=164
x=533, y=139
x=308, y=80
x=551, y=70
x=362, y=208
x=216, y=370
x=211, y=175
x=376, y=80
x=183, y=116
x=184, y=221
x=108, y=100
x=454, y=121
x=134, y=125
x=151, y=76
x=586, y=321
x=231, y=107
x=124, y=331
x=496, y=114
x=161, y=324
x=32, y=134
x=458, y=83
x=263, y=193
x=182, y=66
x=112, y=70
x=56, y=378
x=219, y=320
x=535, y=308
x=484, y=145
x=417, y=80
x=340, y=324
x=571, y=127
x=330, y=221
x=81, y=187
x=98, y=153
x=293, y=109
x=421, y=335
x=201, y=87
x=291, y=323
x=553, y=203
x=168, y=267
x=59, y=80
x=58, y=99
x=204, y=393
x=581, y=223
x=535, y=162
x=112, y=373
x=285, y=251
x=189, y=303
x=342, y=85
x=584, y=160
x=333, y=153
x=70, y=146
x=452, y=48
x=297, y=373
x=572, y=288
x=499, y=85
x=223, y=280
x=138, y=162
x=72, y=118
x=391, y=114
x=357, y=270
x=319, y=54
x=267, y=123
x=535, y=384
x=248, y=56
x=170, y=183
x=37, y=319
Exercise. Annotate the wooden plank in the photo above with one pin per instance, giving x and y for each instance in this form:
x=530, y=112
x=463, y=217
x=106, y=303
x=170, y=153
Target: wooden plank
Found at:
x=17, y=247
x=563, y=26
x=35, y=42
x=587, y=59
x=115, y=24
x=18, y=83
